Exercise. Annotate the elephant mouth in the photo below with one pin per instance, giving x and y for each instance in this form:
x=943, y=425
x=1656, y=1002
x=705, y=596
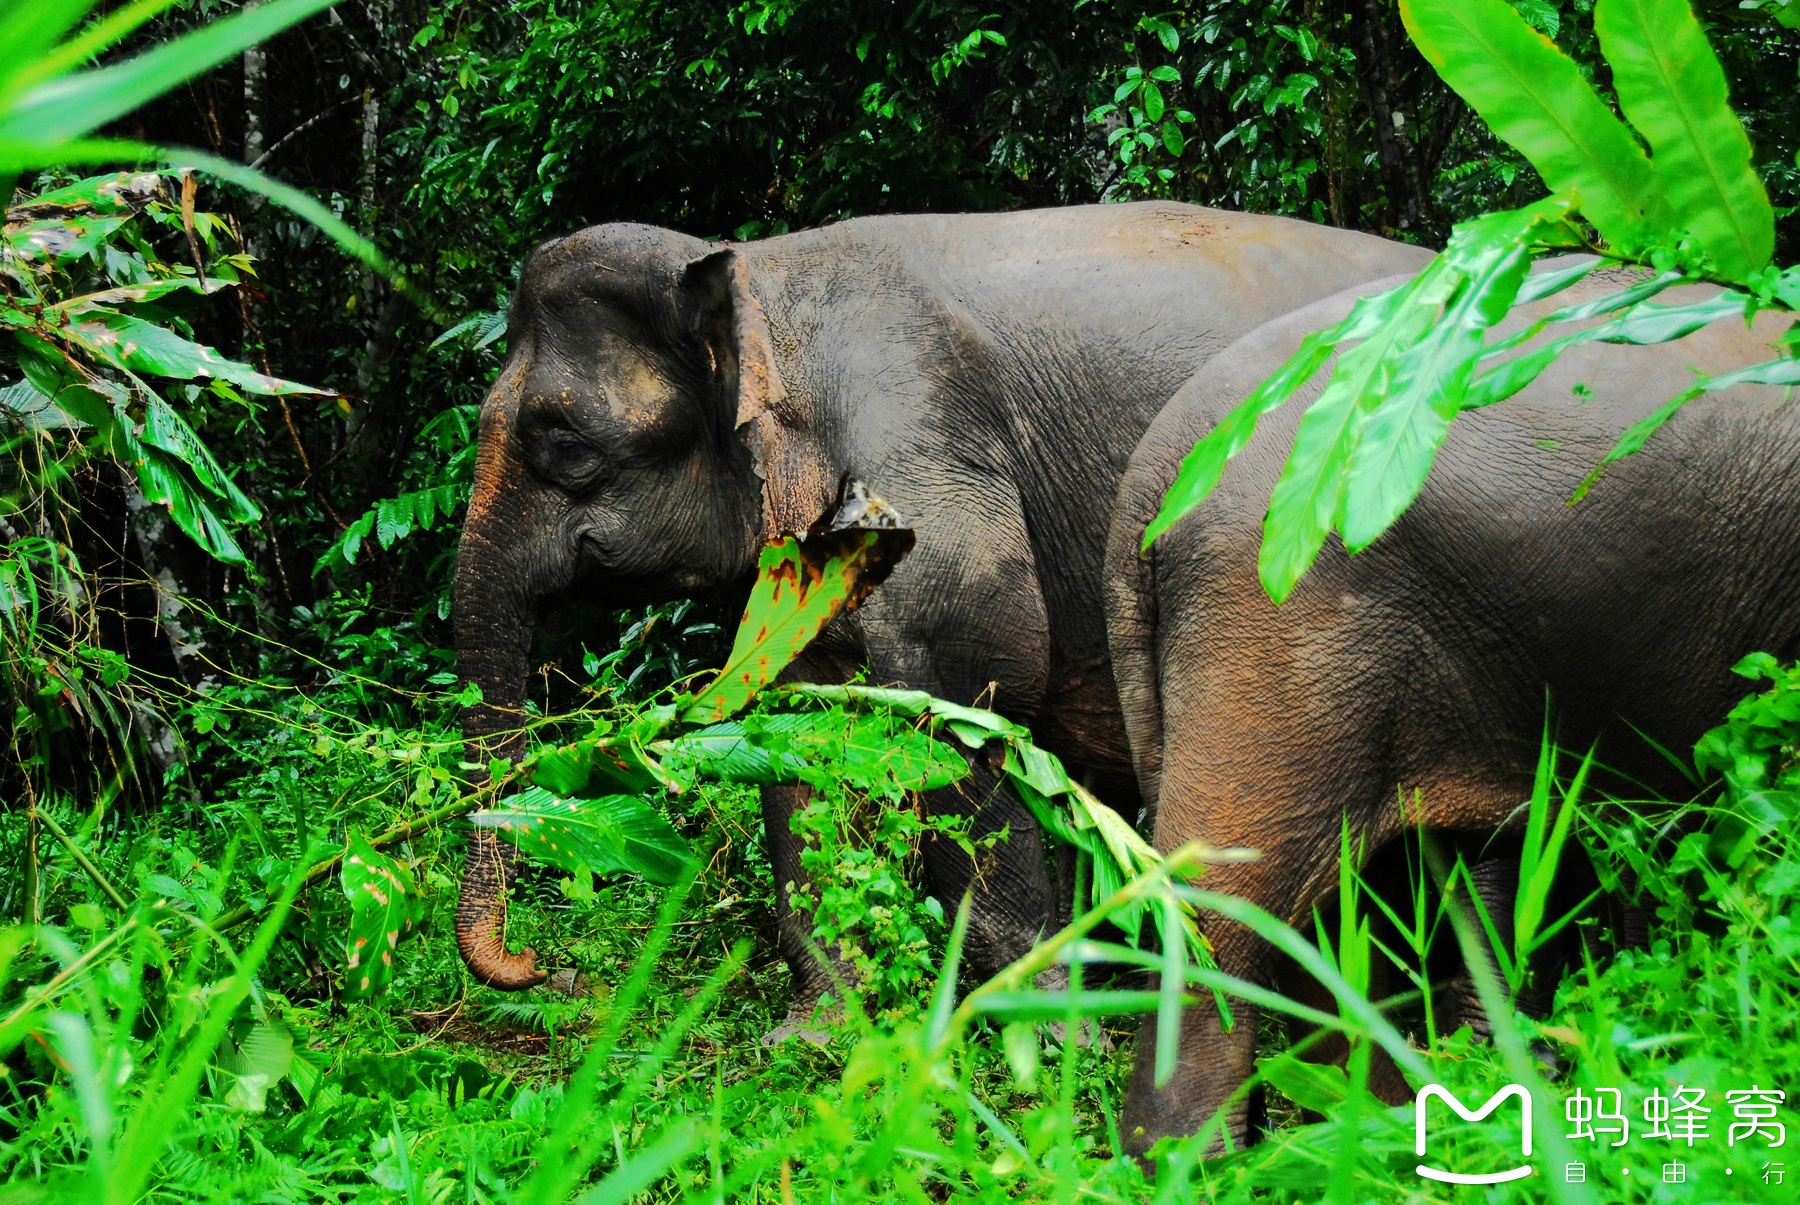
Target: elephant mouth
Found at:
x=605, y=577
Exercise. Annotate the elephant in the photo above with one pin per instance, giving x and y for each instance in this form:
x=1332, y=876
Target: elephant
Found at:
x=667, y=404
x=1422, y=663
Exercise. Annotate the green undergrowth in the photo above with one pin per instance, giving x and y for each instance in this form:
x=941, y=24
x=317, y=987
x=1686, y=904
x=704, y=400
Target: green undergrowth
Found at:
x=639, y=1072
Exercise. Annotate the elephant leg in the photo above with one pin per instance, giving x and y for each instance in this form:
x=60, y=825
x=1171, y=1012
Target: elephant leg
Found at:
x=985, y=640
x=1211, y=1064
x=815, y=970
x=1266, y=743
x=1385, y=1079
x=1011, y=902
x=1496, y=882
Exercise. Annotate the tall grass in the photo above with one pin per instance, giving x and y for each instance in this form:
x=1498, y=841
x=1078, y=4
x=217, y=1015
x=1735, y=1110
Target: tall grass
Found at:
x=151, y=1058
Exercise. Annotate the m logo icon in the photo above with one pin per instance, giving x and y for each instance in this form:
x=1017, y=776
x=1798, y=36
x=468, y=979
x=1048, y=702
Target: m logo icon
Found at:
x=1493, y=1102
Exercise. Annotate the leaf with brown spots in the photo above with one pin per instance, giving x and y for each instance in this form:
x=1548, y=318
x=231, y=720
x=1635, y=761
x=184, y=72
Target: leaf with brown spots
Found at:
x=802, y=584
x=608, y=834
x=384, y=907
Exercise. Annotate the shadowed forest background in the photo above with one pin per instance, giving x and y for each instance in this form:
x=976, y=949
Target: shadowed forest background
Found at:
x=457, y=137
x=196, y=729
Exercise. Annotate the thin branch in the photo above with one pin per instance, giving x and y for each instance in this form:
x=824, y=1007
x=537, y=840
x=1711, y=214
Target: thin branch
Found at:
x=461, y=806
x=304, y=126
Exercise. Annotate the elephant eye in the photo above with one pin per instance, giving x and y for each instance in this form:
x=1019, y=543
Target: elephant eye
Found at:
x=565, y=459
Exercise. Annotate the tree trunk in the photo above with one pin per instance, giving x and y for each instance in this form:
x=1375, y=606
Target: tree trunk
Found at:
x=1393, y=145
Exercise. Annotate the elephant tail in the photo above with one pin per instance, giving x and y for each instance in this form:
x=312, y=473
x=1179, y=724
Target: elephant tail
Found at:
x=1130, y=605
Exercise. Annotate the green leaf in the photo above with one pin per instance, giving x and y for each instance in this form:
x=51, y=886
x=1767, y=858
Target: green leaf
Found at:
x=1173, y=140
x=1534, y=98
x=258, y=1060
x=164, y=428
x=604, y=835
x=603, y=761
x=725, y=752
x=1316, y=1086
x=393, y=520
x=1201, y=469
x=140, y=346
x=384, y=906
x=163, y=480
x=1020, y=1042
x=1303, y=506
x=59, y=109
x=801, y=585
x=865, y=749
x=1671, y=87
x=1401, y=435
x=61, y=239
x=1769, y=372
x=1152, y=99
x=1014, y=1007
x=33, y=28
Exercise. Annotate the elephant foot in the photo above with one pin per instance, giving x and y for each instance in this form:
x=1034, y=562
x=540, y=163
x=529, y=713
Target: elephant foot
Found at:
x=1088, y=1034
x=807, y=1021
x=570, y=982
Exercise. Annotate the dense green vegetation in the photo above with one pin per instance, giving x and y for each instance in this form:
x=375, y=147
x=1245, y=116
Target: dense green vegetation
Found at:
x=224, y=640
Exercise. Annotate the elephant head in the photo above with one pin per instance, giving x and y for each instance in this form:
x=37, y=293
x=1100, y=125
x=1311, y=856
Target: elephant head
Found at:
x=636, y=446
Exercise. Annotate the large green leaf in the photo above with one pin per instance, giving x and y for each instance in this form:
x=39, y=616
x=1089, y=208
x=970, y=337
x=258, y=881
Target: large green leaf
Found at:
x=165, y=429
x=58, y=109
x=607, y=834
x=725, y=752
x=1404, y=430
x=384, y=906
x=1671, y=87
x=1304, y=504
x=1534, y=97
x=1202, y=467
x=164, y=480
x=802, y=584
x=139, y=346
x=865, y=748
x=605, y=761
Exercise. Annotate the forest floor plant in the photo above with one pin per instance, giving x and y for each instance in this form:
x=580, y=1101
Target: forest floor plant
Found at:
x=647, y=1072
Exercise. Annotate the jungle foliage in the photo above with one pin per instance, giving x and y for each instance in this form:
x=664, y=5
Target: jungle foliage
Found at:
x=234, y=786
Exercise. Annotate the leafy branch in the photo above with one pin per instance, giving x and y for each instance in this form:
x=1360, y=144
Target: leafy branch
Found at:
x=1691, y=209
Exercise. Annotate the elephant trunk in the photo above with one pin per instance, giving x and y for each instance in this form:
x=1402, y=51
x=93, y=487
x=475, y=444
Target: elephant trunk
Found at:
x=493, y=641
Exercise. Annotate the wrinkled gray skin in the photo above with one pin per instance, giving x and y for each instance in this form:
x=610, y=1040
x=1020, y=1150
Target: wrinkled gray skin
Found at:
x=667, y=405
x=1423, y=662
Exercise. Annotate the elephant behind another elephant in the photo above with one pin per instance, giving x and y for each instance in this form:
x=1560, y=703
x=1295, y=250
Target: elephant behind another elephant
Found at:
x=1422, y=663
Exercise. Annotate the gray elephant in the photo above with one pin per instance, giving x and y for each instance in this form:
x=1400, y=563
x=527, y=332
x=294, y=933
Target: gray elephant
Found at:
x=1422, y=663
x=667, y=404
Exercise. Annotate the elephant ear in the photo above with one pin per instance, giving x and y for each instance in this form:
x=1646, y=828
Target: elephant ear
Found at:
x=777, y=427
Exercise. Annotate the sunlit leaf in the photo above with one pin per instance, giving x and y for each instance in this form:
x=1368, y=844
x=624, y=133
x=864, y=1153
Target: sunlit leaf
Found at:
x=1769, y=372
x=141, y=346
x=866, y=748
x=1672, y=89
x=605, y=835
x=384, y=907
x=1534, y=97
x=802, y=584
x=1319, y=1087
x=59, y=109
x=1013, y=1007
